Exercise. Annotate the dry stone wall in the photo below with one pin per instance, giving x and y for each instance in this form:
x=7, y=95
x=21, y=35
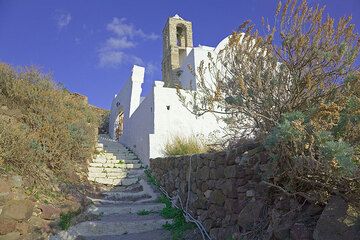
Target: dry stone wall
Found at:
x=225, y=193
x=229, y=194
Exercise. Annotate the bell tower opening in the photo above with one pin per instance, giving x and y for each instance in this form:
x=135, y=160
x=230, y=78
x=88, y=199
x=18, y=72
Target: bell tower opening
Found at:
x=177, y=36
x=180, y=38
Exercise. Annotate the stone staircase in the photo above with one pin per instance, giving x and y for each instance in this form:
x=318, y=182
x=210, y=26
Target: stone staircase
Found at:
x=114, y=164
x=128, y=208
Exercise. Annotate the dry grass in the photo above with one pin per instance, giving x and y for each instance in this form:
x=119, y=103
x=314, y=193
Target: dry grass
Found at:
x=45, y=131
x=180, y=145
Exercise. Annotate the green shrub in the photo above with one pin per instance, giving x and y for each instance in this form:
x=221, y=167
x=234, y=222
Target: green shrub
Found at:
x=340, y=154
x=179, y=145
x=66, y=220
x=288, y=131
x=312, y=153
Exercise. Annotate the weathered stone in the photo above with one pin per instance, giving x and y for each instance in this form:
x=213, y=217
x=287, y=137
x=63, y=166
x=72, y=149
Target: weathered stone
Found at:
x=10, y=236
x=230, y=171
x=338, y=221
x=217, y=197
x=230, y=205
x=281, y=223
x=7, y=226
x=4, y=186
x=36, y=222
x=23, y=228
x=200, y=203
x=211, y=184
x=49, y=212
x=250, y=193
x=207, y=193
x=212, y=164
x=204, y=173
x=208, y=224
x=17, y=194
x=249, y=172
x=229, y=189
x=219, y=183
x=300, y=232
x=204, y=186
x=4, y=108
x=217, y=172
x=16, y=181
x=72, y=205
x=17, y=209
x=3, y=199
x=214, y=233
x=250, y=214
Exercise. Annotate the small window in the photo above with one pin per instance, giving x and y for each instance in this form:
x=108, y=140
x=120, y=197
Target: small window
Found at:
x=168, y=107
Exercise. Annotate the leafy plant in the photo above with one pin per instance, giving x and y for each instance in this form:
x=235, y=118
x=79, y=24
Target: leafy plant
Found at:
x=143, y=212
x=179, y=225
x=302, y=60
x=311, y=157
x=339, y=154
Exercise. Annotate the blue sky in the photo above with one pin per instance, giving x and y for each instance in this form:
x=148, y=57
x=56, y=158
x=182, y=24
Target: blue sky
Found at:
x=90, y=45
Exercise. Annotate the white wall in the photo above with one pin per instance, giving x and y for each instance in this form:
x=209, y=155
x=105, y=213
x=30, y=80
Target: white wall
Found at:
x=194, y=58
x=148, y=123
x=138, y=129
x=127, y=100
x=177, y=120
x=152, y=124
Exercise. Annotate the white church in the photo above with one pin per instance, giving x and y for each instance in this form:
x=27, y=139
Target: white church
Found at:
x=146, y=124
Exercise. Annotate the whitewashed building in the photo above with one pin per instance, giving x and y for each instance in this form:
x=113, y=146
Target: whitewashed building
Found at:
x=145, y=124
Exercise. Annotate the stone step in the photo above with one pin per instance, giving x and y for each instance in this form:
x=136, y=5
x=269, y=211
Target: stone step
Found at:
x=119, y=155
x=128, y=200
x=115, y=181
x=116, y=165
x=116, y=148
x=122, y=156
x=99, y=149
x=105, y=170
x=109, y=156
x=103, y=160
x=135, y=172
x=160, y=234
x=125, y=208
x=132, y=188
x=126, y=196
x=107, y=175
x=117, y=227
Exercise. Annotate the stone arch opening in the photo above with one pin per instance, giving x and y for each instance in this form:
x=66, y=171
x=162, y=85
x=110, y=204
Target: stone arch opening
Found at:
x=181, y=35
x=119, y=129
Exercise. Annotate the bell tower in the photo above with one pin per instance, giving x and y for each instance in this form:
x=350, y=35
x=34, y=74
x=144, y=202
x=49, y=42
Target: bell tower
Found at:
x=177, y=36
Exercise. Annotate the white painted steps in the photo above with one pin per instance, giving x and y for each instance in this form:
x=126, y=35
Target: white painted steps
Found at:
x=125, y=194
x=159, y=234
x=125, y=208
x=101, y=228
x=112, y=164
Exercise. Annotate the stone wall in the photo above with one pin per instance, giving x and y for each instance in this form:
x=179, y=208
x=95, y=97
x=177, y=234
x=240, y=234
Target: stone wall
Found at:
x=230, y=196
x=225, y=190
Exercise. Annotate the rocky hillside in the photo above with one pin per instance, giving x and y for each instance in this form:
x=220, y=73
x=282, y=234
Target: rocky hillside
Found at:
x=47, y=137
